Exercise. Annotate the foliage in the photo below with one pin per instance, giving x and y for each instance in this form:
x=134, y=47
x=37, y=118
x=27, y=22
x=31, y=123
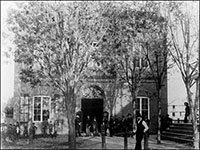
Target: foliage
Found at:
x=54, y=40
x=54, y=45
x=184, y=34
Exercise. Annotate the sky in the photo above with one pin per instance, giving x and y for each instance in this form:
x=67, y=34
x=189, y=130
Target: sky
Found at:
x=176, y=89
x=7, y=66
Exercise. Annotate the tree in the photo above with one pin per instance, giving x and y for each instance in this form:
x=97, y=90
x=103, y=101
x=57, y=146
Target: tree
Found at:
x=114, y=93
x=152, y=36
x=184, y=34
x=53, y=43
x=120, y=46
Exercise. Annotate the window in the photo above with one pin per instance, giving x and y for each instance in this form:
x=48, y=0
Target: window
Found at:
x=141, y=62
x=41, y=108
x=140, y=59
x=37, y=108
x=173, y=114
x=142, y=106
x=25, y=111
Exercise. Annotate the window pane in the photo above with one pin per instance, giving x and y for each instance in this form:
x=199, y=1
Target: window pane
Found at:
x=145, y=113
x=45, y=106
x=137, y=103
x=137, y=111
x=37, y=108
x=45, y=103
x=145, y=104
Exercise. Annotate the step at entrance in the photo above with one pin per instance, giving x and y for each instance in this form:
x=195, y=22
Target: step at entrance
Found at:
x=179, y=132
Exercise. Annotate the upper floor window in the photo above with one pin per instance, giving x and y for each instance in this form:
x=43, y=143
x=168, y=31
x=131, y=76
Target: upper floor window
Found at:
x=141, y=61
x=41, y=108
x=143, y=106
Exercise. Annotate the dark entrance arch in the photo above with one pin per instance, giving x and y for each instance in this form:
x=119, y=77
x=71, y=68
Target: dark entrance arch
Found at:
x=93, y=108
x=92, y=105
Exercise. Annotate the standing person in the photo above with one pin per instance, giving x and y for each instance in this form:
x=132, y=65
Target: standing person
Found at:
x=78, y=125
x=105, y=121
x=129, y=122
x=111, y=125
x=30, y=131
x=187, y=112
x=25, y=130
x=51, y=129
x=17, y=127
x=114, y=125
x=140, y=131
x=88, y=126
x=34, y=130
x=55, y=126
x=146, y=134
x=44, y=127
x=123, y=124
x=95, y=127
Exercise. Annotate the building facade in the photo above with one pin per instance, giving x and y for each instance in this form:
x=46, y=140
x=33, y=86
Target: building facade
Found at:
x=44, y=103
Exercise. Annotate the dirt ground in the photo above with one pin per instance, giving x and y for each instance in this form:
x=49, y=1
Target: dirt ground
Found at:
x=88, y=143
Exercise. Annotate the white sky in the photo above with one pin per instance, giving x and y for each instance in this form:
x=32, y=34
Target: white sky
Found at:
x=7, y=68
x=176, y=89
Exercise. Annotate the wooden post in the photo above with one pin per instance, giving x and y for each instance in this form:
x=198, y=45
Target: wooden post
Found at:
x=103, y=137
x=146, y=141
x=125, y=140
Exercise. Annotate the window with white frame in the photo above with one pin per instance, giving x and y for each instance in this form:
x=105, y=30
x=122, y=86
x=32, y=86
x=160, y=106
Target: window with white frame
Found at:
x=41, y=108
x=140, y=59
x=143, y=106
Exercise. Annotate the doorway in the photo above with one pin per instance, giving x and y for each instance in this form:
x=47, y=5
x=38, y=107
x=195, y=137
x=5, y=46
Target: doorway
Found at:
x=94, y=108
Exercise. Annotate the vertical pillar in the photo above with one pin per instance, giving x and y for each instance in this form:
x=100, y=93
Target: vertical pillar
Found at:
x=103, y=133
x=125, y=140
x=146, y=141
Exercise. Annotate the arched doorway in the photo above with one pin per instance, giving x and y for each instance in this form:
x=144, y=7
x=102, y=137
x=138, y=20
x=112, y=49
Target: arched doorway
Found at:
x=92, y=105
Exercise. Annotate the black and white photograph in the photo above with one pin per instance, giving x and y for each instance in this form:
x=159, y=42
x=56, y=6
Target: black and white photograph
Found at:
x=100, y=75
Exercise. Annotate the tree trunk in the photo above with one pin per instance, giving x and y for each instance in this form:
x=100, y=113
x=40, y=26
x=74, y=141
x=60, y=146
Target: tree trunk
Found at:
x=134, y=110
x=71, y=104
x=72, y=134
x=159, y=115
x=193, y=114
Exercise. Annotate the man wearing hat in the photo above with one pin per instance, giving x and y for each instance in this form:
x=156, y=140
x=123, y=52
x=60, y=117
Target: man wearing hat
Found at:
x=78, y=125
x=141, y=129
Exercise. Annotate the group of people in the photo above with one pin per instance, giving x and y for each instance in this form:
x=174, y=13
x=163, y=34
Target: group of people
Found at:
x=91, y=127
x=49, y=129
x=115, y=126
x=12, y=132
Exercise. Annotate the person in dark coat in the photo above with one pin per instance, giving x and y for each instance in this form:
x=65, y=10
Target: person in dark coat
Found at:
x=51, y=129
x=25, y=130
x=30, y=131
x=129, y=122
x=105, y=121
x=111, y=125
x=34, y=130
x=123, y=124
x=140, y=131
x=95, y=127
x=187, y=112
x=17, y=127
x=78, y=125
x=88, y=126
